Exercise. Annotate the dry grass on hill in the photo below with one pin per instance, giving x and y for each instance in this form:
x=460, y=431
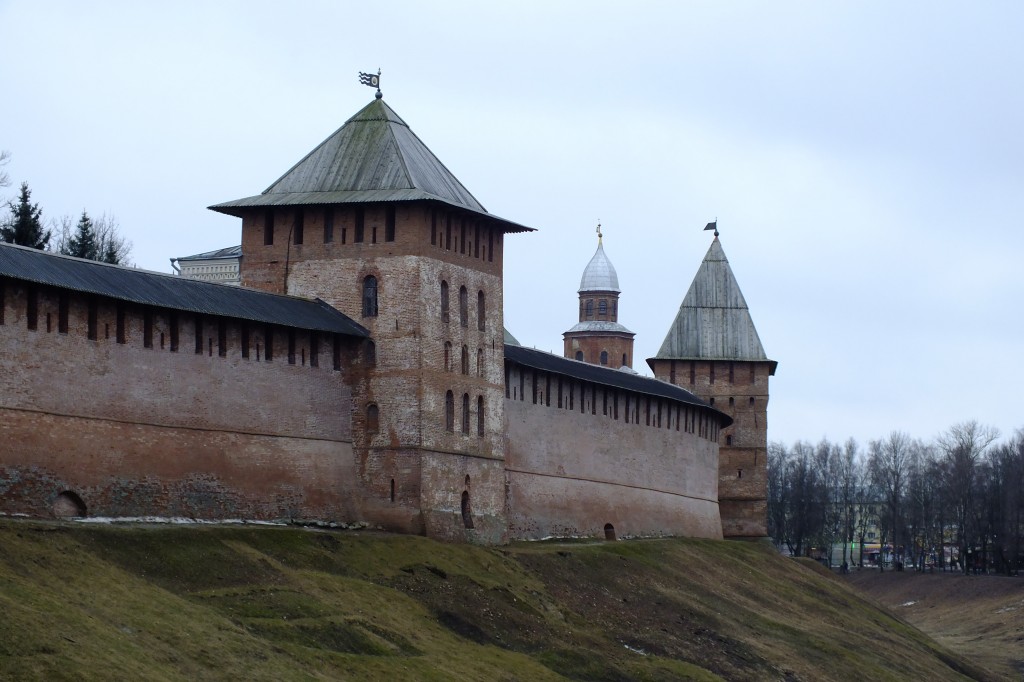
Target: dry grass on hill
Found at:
x=980, y=617
x=175, y=603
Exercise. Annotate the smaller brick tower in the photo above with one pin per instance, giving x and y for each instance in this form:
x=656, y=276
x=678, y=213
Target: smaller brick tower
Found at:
x=713, y=350
x=598, y=338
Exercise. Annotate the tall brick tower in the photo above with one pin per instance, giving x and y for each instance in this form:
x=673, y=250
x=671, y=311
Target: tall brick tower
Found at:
x=713, y=350
x=598, y=338
x=374, y=224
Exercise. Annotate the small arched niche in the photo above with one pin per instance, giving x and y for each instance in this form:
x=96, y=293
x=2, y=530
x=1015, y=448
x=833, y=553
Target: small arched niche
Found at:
x=68, y=505
x=609, y=531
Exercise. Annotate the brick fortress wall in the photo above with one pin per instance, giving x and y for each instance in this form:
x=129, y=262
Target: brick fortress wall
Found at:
x=581, y=456
x=133, y=426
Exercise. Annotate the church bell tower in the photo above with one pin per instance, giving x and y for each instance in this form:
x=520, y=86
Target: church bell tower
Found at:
x=598, y=338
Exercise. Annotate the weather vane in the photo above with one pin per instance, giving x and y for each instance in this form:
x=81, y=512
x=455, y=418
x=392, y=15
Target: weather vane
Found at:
x=373, y=80
x=713, y=226
x=598, y=230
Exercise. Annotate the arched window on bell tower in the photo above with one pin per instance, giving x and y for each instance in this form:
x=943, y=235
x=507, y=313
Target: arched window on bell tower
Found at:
x=370, y=296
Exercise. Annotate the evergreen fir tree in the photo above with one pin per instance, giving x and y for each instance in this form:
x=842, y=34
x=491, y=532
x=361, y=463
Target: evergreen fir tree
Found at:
x=110, y=255
x=25, y=225
x=83, y=243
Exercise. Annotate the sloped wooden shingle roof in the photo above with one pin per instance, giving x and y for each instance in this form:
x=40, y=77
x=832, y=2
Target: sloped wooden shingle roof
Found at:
x=373, y=157
x=713, y=322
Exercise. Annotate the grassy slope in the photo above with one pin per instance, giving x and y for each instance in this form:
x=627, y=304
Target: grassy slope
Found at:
x=174, y=603
x=979, y=616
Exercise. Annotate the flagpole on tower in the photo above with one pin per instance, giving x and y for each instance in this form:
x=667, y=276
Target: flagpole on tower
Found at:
x=373, y=80
x=713, y=225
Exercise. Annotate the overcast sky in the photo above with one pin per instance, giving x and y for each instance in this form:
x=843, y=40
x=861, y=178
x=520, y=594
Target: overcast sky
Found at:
x=865, y=161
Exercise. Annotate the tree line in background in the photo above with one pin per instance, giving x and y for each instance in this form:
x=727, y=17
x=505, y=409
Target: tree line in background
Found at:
x=99, y=239
x=955, y=503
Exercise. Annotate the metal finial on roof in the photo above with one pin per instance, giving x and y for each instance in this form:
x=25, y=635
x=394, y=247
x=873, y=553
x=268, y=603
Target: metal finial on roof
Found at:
x=712, y=226
x=598, y=230
x=372, y=80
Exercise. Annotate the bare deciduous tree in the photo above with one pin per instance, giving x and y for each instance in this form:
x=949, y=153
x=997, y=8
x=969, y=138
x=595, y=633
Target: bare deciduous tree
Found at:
x=962, y=446
x=5, y=158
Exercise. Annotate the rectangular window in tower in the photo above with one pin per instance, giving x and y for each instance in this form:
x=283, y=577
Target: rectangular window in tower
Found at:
x=291, y=346
x=490, y=245
x=298, y=228
x=172, y=323
x=389, y=224
x=147, y=328
x=711, y=372
x=559, y=392
x=268, y=342
x=199, y=334
x=626, y=412
x=268, y=227
x=357, y=236
x=62, y=312
x=693, y=372
x=476, y=239
x=344, y=235
x=222, y=337
x=122, y=334
x=32, y=308
x=244, y=340
x=328, y=225
x=547, y=390
x=462, y=235
x=448, y=232
x=433, y=227
x=336, y=353
x=92, y=319
x=314, y=350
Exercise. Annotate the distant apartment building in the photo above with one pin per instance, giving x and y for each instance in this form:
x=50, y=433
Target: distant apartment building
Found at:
x=221, y=266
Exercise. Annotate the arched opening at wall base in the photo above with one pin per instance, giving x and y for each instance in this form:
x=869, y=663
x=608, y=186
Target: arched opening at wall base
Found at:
x=69, y=505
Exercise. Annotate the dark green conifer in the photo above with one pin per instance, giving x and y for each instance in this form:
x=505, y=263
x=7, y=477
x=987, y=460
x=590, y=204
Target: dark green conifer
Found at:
x=24, y=226
x=83, y=243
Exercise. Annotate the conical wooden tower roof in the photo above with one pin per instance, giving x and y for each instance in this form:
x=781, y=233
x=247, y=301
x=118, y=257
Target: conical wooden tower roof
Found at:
x=713, y=322
x=373, y=157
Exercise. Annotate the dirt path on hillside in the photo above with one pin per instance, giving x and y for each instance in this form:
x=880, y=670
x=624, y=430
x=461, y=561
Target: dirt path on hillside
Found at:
x=980, y=617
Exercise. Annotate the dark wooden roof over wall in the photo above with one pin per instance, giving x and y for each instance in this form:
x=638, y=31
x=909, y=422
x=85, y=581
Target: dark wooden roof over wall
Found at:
x=605, y=376
x=172, y=292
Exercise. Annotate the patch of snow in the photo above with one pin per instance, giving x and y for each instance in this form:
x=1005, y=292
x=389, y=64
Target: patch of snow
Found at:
x=175, y=520
x=909, y=603
x=635, y=650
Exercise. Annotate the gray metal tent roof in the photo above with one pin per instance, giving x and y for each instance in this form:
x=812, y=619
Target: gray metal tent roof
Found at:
x=713, y=322
x=373, y=157
x=172, y=292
